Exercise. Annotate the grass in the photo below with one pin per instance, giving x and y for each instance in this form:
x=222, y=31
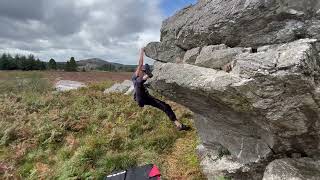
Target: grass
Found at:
x=25, y=82
x=223, y=178
x=86, y=134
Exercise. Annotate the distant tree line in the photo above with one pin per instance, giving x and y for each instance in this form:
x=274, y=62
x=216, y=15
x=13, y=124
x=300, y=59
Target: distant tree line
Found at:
x=117, y=68
x=70, y=65
x=127, y=68
x=29, y=63
x=107, y=67
x=21, y=62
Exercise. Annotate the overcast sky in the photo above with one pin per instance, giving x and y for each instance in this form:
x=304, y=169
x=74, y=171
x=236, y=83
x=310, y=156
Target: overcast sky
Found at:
x=107, y=29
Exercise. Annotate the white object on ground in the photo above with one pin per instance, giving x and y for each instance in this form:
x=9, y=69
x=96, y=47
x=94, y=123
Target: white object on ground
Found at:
x=120, y=87
x=66, y=85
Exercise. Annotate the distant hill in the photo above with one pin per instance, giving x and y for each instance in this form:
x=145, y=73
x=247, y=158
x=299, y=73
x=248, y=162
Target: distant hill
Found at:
x=93, y=61
x=100, y=64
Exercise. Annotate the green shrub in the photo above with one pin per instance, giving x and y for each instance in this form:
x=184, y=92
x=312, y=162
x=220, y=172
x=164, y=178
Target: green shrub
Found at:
x=25, y=169
x=8, y=136
x=223, y=178
x=64, y=153
x=101, y=113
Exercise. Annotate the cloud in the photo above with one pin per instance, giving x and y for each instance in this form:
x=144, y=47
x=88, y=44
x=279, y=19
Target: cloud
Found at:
x=112, y=30
x=22, y=10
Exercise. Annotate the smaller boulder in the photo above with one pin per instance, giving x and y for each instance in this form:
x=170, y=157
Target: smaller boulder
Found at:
x=66, y=85
x=120, y=87
x=164, y=52
x=216, y=56
x=297, y=169
x=191, y=55
x=216, y=162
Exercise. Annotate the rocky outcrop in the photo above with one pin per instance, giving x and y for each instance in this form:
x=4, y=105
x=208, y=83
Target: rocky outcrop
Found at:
x=66, y=85
x=250, y=107
x=125, y=87
x=268, y=106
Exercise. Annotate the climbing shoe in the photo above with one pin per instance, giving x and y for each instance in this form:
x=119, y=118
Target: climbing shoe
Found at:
x=184, y=128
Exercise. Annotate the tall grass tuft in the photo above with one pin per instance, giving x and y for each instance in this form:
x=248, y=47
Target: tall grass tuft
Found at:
x=24, y=83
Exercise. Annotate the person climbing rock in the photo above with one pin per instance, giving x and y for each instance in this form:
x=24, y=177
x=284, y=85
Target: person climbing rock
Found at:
x=142, y=96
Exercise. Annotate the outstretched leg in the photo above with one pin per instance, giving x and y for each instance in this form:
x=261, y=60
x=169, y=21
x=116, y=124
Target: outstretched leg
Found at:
x=167, y=109
x=162, y=106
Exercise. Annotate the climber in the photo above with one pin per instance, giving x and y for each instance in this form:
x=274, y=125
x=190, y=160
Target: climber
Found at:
x=142, y=97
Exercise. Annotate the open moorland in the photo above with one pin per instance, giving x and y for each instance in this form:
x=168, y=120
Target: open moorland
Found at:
x=85, y=134
x=86, y=77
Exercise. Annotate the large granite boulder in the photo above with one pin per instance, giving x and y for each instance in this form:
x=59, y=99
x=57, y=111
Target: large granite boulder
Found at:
x=268, y=106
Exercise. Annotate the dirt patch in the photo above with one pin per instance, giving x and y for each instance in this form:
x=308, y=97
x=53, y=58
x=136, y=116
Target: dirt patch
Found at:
x=4, y=167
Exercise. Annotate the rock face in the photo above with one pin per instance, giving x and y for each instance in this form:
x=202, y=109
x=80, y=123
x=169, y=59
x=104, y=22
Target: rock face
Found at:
x=215, y=57
x=242, y=23
x=66, y=85
x=268, y=106
x=125, y=87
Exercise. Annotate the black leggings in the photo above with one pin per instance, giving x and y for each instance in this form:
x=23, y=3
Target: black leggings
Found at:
x=151, y=101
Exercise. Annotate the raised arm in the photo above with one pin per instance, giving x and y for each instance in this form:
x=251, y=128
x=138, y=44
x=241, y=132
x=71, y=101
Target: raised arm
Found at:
x=139, y=68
